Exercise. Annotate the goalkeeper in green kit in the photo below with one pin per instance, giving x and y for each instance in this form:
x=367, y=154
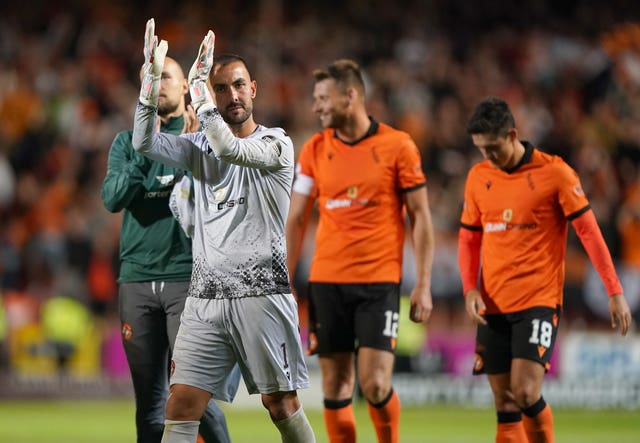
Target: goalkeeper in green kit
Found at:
x=156, y=262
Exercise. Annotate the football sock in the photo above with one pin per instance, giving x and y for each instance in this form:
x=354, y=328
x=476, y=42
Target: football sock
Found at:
x=296, y=428
x=510, y=428
x=179, y=431
x=340, y=421
x=386, y=418
x=538, y=422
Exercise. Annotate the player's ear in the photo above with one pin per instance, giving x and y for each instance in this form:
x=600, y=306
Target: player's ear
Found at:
x=352, y=95
x=512, y=134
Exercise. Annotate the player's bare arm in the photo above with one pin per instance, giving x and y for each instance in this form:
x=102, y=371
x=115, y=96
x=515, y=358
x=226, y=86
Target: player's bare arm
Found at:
x=299, y=213
x=417, y=203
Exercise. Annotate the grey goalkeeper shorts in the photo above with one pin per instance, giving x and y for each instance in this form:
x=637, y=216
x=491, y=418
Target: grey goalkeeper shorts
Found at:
x=261, y=334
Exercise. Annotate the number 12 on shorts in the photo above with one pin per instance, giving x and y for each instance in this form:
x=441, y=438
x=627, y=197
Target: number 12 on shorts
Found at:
x=390, y=324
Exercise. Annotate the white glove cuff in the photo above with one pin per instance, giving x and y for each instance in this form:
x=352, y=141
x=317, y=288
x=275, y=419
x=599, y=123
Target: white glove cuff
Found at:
x=200, y=96
x=150, y=89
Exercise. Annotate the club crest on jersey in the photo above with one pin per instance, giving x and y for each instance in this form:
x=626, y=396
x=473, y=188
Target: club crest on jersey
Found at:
x=165, y=179
x=220, y=194
x=352, y=191
x=532, y=185
x=374, y=153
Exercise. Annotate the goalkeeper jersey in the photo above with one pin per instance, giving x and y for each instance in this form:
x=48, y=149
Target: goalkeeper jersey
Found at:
x=241, y=201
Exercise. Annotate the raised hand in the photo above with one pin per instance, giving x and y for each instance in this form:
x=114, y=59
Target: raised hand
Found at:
x=154, y=55
x=199, y=73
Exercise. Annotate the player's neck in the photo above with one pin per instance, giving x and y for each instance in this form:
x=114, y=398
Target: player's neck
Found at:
x=518, y=153
x=245, y=129
x=355, y=128
x=177, y=113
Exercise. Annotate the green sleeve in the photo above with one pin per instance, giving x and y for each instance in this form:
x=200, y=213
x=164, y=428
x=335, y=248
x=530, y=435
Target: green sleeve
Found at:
x=126, y=172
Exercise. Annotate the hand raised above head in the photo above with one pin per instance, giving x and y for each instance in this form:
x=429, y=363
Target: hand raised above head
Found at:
x=199, y=73
x=154, y=55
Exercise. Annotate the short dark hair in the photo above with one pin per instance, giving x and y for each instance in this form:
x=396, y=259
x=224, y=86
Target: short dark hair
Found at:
x=227, y=58
x=345, y=72
x=491, y=116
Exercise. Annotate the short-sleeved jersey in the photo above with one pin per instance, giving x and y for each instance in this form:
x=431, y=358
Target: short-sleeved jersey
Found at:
x=523, y=216
x=359, y=189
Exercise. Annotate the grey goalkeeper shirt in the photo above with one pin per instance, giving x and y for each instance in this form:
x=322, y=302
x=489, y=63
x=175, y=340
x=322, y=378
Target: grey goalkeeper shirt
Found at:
x=242, y=190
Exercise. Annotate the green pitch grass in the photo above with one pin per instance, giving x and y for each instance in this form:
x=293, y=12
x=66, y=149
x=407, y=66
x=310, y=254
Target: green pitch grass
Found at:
x=106, y=421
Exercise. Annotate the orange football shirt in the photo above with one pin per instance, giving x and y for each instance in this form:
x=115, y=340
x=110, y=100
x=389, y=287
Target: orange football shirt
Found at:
x=523, y=215
x=360, y=233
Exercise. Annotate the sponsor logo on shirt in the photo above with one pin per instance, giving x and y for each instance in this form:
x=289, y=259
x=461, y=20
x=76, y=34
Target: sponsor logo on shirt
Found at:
x=334, y=203
x=232, y=203
x=352, y=200
x=157, y=194
x=502, y=226
x=165, y=180
x=221, y=194
x=506, y=225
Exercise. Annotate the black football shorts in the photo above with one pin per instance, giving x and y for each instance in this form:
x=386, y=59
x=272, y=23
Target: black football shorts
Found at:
x=344, y=317
x=529, y=334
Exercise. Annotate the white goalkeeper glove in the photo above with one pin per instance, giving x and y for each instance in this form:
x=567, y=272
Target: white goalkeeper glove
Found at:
x=154, y=54
x=199, y=73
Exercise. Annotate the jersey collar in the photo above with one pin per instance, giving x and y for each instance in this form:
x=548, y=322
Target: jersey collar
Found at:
x=373, y=129
x=174, y=125
x=526, y=158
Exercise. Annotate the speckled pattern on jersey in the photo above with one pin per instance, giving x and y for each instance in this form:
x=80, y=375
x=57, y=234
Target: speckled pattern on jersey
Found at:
x=254, y=279
x=242, y=191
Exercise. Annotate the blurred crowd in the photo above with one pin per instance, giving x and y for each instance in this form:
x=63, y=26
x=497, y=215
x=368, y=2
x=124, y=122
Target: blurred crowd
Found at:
x=69, y=82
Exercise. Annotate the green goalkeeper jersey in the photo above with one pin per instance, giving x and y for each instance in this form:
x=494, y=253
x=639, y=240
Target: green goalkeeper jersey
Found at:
x=153, y=246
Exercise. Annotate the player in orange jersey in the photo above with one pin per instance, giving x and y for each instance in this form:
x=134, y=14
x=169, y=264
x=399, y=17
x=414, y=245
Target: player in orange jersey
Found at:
x=512, y=241
x=363, y=174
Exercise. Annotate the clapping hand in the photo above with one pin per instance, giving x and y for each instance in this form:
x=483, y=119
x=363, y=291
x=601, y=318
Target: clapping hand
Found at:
x=154, y=55
x=200, y=96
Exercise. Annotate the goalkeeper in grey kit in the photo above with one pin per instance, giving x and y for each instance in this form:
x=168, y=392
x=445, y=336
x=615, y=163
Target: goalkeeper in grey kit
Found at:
x=240, y=308
x=155, y=265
